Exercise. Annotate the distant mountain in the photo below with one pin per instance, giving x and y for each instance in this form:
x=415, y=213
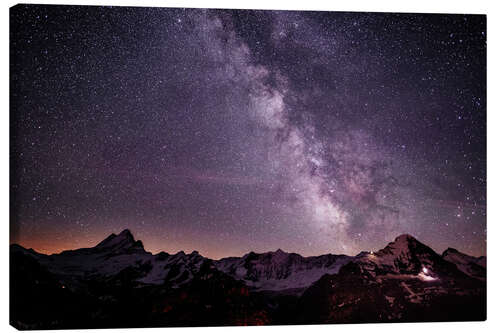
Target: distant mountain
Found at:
x=122, y=243
x=472, y=266
x=118, y=283
x=406, y=255
x=117, y=255
x=405, y=281
x=280, y=270
x=272, y=271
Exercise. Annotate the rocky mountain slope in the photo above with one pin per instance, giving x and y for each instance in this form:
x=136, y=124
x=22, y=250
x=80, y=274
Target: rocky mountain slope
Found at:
x=472, y=266
x=405, y=281
x=118, y=283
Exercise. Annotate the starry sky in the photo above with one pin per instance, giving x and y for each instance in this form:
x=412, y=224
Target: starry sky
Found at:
x=229, y=131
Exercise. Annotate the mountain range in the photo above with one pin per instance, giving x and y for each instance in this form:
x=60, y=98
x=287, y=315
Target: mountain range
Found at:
x=118, y=283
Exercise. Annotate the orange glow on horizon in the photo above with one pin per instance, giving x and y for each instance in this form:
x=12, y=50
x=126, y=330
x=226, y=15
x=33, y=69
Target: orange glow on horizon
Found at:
x=56, y=246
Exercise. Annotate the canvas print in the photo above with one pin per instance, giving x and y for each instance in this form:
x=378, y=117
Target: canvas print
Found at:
x=212, y=167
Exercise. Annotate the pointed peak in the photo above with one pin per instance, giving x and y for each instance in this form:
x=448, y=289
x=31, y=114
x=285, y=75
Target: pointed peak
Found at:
x=126, y=234
x=139, y=244
x=122, y=240
x=280, y=251
x=403, y=243
x=449, y=251
x=404, y=238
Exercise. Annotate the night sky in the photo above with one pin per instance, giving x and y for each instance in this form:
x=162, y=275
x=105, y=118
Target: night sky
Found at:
x=229, y=131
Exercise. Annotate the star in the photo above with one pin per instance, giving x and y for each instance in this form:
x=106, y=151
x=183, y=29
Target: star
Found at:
x=229, y=131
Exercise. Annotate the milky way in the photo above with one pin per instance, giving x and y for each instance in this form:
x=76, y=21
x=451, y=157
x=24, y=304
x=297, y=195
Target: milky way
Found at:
x=230, y=131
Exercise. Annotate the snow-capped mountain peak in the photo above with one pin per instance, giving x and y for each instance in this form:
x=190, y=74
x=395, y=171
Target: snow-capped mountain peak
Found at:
x=280, y=270
x=273, y=271
x=402, y=244
x=124, y=240
x=403, y=255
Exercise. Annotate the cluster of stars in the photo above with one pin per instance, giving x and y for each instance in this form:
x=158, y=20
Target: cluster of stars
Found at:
x=228, y=131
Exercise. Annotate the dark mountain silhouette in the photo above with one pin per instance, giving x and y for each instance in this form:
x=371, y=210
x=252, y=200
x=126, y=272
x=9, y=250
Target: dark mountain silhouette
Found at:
x=405, y=281
x=118, y=283
x=473, y=266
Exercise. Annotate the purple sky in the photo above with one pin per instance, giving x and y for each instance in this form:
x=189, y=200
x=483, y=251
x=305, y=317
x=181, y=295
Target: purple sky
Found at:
x=229, y=131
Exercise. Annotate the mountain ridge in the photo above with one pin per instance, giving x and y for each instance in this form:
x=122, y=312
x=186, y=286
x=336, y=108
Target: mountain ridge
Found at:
x=117, y=283
x=272, y=270
x=127, y=231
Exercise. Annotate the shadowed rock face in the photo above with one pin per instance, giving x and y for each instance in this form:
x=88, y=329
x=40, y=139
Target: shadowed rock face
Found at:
x=356, y=296
x=472, y=266
x=406, y=255
x=405, y=281
x=123, y=240
x=119, y=284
